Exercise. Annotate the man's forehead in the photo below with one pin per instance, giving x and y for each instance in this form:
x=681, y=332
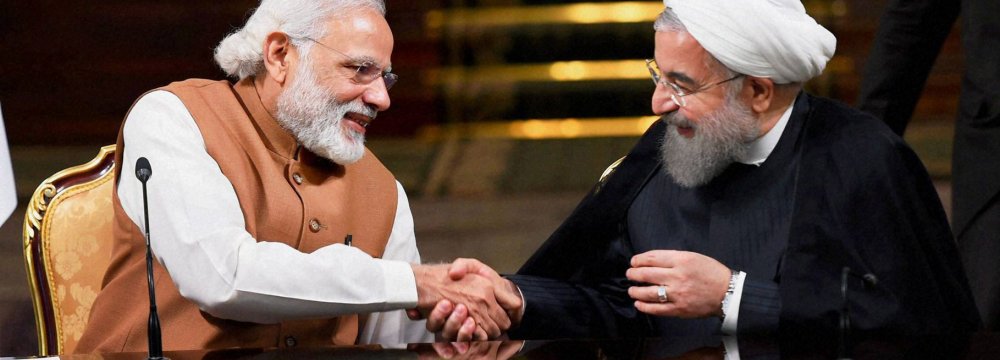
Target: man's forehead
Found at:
x=678, y=43
x=358, y=22
x=679, y=55
x=361, y=33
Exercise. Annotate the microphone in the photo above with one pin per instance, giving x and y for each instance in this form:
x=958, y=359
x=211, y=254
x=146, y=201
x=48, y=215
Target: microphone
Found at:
x=870, y=281
x=142, y=172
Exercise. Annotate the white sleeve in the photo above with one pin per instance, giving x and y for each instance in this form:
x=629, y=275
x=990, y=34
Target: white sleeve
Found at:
x=394, y=327
x=732, y=309
x=198, y=233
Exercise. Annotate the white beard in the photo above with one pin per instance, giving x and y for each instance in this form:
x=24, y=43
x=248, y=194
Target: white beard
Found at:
x=720, y=138
x=315, y=118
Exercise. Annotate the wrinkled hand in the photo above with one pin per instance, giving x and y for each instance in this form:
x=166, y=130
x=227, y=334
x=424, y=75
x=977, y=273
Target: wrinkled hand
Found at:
x=508, y=296
x=476, y=293
x=453, y=323
x=500, y=350
x=458, y=326
x=695, y=283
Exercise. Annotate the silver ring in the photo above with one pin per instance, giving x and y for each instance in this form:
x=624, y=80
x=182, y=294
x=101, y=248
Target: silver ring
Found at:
x=661, y=293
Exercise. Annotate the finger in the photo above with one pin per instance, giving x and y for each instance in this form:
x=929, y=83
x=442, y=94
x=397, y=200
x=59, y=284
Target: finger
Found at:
x=635, y=293
x=456, y=320
x=481, y=268
x=414, y=314
x=650, y=294
x=461, y=267
x=468, y=330
x=461, y=347
x=650, y=275
x=439, y=315
x=484, y=318
x=489, y=326
x=489, y=315
x=508, y=349
x=499, y=315
x=444, y=350
x=658, y=258
x=508, y=295
x=658, y=309
x=480, y=334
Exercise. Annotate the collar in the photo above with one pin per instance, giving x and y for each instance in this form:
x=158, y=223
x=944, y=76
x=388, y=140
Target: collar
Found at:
x=761, y=148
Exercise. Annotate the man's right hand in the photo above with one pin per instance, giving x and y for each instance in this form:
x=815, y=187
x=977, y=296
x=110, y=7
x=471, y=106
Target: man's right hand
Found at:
x=452, y=322
x=476, y=294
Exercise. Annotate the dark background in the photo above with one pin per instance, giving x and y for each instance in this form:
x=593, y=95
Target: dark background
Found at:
x=69, y=70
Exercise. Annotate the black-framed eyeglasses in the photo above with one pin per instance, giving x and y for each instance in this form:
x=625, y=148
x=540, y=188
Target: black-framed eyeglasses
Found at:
x=679, y=92
x=365, y=72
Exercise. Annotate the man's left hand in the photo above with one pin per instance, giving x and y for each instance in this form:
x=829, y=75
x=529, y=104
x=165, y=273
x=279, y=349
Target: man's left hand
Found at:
x=695, y=284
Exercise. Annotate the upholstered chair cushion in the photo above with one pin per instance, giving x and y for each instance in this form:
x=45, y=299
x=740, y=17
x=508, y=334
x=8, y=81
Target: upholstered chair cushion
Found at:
x=78, y=247
x=67, y=248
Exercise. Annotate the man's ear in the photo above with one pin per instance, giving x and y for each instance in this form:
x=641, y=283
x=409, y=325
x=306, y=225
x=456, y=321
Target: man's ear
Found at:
x=278, y=51
x=762, y=93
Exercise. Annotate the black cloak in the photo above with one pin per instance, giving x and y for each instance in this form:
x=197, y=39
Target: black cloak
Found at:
x=862, y=199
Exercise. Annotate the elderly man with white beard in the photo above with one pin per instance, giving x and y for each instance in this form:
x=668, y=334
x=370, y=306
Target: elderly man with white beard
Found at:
x=272, y=224
x=751, y=207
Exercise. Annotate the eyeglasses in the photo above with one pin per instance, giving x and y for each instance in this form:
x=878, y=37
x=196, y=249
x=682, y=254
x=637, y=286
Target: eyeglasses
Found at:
x=679, y=92
x=365, y=72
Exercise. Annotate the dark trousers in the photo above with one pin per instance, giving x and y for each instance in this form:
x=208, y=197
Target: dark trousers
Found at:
x=979, y=246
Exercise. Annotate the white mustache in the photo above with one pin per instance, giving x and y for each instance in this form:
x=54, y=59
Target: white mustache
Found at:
x=676, y=119
x=360, y=107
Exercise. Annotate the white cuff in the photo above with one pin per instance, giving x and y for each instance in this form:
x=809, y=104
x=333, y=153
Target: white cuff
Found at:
x=400, y=285
x=732, y=348
x=732, y=309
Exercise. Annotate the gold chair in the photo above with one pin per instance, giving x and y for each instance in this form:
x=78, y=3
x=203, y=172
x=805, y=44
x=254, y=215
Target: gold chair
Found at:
x=67, y=248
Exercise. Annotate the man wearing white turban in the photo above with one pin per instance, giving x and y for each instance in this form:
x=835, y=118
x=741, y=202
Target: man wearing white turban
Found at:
x=752, y=207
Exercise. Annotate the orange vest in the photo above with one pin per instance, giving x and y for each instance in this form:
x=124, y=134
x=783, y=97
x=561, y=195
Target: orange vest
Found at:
x=285, y=193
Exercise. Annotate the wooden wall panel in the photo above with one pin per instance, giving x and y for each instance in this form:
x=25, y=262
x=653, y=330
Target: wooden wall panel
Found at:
x=70, y=70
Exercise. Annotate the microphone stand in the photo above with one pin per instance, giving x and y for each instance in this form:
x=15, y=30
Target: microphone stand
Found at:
x=143, y=172
x=844, y=348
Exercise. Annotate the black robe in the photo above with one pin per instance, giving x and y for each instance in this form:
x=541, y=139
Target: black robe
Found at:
x=858, y=198
x=909, y=39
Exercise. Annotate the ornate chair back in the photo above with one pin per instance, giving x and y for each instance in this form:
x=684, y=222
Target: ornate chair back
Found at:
x=67, y=248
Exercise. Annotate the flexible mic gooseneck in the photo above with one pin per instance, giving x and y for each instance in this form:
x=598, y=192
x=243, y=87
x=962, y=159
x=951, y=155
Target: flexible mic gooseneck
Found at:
x=870, y=281
x=143, y=171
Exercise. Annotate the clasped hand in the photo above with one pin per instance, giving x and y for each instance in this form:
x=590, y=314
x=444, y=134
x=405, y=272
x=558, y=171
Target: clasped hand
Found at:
x=694, y=283
x=465, y=300
x=694, y=286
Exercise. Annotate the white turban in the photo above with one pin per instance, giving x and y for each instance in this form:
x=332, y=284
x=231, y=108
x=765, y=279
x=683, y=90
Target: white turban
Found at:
x=773, y=39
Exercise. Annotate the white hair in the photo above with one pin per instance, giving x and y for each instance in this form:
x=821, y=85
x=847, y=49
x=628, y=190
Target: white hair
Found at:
x=240, y=54
x=668, y=21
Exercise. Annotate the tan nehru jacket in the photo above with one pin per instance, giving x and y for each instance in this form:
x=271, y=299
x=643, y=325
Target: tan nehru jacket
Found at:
x=285, y=194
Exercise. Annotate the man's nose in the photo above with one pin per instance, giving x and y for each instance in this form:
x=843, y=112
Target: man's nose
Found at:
x=662, y=102
x=377, y=95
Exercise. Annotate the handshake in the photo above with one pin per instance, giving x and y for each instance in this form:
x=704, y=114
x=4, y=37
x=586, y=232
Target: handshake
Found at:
x=465, y=300
x=468, y=300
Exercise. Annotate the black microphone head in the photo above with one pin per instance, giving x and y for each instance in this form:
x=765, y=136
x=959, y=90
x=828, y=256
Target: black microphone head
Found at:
x=870, y=279
x=142, y=169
